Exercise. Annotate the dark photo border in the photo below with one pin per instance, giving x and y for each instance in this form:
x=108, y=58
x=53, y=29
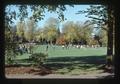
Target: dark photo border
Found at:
x=3, y=4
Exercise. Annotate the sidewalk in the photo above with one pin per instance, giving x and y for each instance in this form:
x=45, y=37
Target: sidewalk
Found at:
x=58, y=76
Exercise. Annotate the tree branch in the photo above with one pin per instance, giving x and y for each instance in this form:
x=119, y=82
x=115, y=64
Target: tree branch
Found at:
x=97, y=18
x=104, y=29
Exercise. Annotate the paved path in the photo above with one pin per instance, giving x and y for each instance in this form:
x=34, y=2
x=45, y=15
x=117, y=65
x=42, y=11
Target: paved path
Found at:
x=58, y=76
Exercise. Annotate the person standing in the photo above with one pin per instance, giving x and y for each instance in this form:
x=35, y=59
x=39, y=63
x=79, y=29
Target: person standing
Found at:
x=47, y=48
x=21, y=49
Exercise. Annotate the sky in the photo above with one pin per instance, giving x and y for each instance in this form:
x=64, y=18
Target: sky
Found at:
x=70, y=14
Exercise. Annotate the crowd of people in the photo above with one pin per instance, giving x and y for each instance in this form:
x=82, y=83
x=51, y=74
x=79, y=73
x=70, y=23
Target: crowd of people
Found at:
x=79, y=46
x=25, y=48
x=28, y=47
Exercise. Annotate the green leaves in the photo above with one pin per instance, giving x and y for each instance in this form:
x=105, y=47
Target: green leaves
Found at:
x=51, y=29
x=22, y=12
x=38, y=58
x=97, y=13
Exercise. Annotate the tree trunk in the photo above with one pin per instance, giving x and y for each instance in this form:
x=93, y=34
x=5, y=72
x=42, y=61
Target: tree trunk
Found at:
x=51, y=42
x=110, y=37
x=117, y=42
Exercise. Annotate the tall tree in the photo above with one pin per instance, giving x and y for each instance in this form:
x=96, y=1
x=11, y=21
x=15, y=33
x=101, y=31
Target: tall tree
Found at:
x=110, y=35
x=20, y=30
x=103, y=37
x=103, y=15
x=30, y=30
x=51, y=29
x=39, y=35
x=70, y=31
x=85, y=31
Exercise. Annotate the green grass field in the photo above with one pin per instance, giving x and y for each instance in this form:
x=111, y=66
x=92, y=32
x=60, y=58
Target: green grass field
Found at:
x=71, y=52
x=70, y=61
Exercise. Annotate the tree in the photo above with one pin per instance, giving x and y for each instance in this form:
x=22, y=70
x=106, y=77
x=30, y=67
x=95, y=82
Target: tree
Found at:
x=22, y=13
x=37, y=12
x=70, y=31
x=39, y=35
x=76, y=32
x=110, y=34
x=85, y=31
x=103, y=15
x=61, y=40
x=103, y=37
x=10, y=45
x=51, y=30
x=20, y=30
x=30, y=30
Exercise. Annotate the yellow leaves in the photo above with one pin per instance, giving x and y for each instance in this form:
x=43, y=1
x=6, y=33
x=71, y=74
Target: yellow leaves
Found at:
x=50, y=33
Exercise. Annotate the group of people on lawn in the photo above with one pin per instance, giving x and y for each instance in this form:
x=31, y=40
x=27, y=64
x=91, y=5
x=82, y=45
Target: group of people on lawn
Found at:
x=79, y=46
x=25, y=48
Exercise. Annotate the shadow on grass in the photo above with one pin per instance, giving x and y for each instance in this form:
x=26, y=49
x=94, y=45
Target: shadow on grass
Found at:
x=68, y=64
x=107, y=77
x=81, y=59
x=72, y=63
x=70, y=60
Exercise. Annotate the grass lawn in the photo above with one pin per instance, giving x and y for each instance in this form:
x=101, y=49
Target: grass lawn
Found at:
x=71, y=52
x=70, y=61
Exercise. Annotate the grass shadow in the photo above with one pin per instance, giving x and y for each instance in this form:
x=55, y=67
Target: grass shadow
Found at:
x=72, y=63
x=81, y=59
x=69, y=64
x=61, y=62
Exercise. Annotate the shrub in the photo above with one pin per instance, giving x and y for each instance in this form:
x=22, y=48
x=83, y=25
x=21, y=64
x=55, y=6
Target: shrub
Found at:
x=10, y=54
x=38, y=58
